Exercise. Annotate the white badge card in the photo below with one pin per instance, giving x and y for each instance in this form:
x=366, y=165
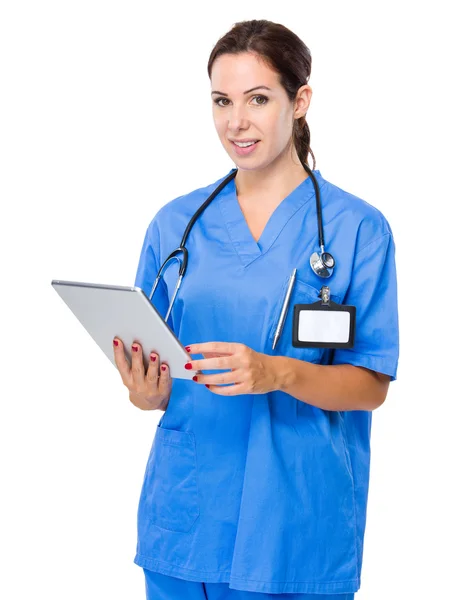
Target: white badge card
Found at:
x=324, y=324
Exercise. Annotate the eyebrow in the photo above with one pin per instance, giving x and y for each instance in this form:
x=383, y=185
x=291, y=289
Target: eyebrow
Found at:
x=246, y=91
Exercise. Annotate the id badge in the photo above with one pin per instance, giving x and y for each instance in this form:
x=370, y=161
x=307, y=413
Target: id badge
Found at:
x=324, y=324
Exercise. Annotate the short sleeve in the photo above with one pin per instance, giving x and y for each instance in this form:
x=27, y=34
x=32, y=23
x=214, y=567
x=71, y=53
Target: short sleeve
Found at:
x=373, y=291
x=147, y=269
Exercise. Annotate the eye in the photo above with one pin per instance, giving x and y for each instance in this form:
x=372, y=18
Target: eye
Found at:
x=218, y=100
x=264, y=97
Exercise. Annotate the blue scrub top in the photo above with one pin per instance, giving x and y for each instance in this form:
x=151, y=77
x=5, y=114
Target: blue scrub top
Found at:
x=264, y=491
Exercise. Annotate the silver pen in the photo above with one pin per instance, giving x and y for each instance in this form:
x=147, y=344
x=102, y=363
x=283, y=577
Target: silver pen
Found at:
x=283, y=314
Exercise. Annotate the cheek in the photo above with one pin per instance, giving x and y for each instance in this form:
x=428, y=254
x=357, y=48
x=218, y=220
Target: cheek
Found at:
x=277, y=139
x=221, y=131
x=219, y=121
x=218, y=125
x=284, y=129
x=278, y=130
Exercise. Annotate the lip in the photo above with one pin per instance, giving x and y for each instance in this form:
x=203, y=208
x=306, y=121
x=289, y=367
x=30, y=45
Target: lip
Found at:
x=244, y=140
x=243, y=151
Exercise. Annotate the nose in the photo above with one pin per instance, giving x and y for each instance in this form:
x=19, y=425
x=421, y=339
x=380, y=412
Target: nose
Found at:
x=237, y=118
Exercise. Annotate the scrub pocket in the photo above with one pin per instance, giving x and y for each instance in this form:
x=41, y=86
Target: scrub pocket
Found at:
x=172, y=480
x=302, y=293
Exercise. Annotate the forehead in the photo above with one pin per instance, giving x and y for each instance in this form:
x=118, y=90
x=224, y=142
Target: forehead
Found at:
x=234, y=73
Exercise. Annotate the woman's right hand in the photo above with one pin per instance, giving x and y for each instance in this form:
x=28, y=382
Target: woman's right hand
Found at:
x=147, y=391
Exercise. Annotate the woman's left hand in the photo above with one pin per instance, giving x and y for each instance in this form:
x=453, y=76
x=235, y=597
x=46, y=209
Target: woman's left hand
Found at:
x=251, y=372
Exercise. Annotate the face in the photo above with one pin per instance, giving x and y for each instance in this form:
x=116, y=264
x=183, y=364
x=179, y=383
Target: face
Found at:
x=249, y=103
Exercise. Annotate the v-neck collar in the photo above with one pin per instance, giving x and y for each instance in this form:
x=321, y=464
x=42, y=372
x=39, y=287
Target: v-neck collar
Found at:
x=242, y=239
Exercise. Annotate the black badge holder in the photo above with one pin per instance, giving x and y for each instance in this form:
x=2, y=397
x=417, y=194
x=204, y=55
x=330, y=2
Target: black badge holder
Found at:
x=324, y=324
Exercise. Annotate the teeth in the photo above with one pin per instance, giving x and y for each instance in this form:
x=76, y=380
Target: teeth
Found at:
x=244, y=144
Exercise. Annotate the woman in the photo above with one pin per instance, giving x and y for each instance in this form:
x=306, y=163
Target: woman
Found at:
x=256, y=484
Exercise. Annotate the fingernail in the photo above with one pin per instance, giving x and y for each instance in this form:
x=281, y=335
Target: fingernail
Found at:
x=115, y=342
x=206, y=385
x=163, y=368
x=188, y=366
x=194, y=378
x=188, y=348
x=134, y=348
x=153, y=358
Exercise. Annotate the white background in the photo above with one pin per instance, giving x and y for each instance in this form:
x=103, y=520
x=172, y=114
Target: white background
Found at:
x=105, y=116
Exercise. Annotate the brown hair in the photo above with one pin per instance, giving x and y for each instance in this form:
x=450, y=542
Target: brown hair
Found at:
x=285, y=53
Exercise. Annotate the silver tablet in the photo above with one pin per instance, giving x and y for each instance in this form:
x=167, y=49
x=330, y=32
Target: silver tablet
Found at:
x=107, y=311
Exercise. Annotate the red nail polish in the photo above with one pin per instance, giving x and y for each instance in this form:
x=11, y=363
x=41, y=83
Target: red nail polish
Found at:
x=194, y=378
x=163, y=368
x=115, y=342
x=188, y=366
x=153, y=358
x=188, y=348
x=134, y=348
x=206, y=385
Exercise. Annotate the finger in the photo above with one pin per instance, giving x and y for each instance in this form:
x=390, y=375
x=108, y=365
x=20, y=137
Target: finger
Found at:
x=138, y=369
x=218, y=362
x=122, y=362
x=228, y=390
x=153, y=372
x=215, y=354
x=233, y=376
x=164, y=383
x=217, y=347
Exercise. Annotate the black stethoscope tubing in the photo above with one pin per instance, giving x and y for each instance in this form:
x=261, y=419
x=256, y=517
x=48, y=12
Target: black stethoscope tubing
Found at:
x=325, y=257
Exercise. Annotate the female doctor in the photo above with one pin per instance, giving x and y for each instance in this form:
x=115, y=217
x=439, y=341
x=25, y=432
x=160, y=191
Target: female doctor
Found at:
x=256, y=483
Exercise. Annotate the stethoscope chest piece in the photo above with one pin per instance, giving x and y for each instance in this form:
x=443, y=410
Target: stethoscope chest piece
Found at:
x=322, y=264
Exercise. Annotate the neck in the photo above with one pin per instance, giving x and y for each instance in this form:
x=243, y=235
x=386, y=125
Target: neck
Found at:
x=284, y=173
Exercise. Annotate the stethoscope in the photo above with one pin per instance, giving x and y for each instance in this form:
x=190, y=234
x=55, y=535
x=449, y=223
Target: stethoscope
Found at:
x=322, y=263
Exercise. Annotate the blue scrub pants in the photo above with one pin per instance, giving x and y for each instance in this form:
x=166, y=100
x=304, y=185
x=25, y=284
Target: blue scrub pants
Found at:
x=164, y=587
